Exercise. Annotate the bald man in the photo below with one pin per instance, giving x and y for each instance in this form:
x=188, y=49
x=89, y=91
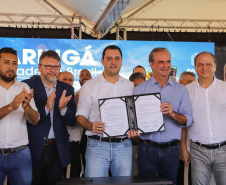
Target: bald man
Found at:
x=66, y=77
x=74, y=132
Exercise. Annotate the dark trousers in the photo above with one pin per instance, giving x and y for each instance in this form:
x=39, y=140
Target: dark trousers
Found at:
x=49, y=169
x=155, y=161
x=75, y=160
x=83, y=144
x=180, y=174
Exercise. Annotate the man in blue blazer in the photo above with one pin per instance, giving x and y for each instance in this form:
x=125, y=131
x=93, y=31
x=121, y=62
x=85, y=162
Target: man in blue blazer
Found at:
x=49, y=140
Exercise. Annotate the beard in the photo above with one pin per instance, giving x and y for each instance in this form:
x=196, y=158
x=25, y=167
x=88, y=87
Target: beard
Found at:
x=7, y=79
x=51, y=80
x=81, y=83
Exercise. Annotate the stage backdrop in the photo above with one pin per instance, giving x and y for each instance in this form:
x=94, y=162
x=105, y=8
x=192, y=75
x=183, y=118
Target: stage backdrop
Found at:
x=79, y=54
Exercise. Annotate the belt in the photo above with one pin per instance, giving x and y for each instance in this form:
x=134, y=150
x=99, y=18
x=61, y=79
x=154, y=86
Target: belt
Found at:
x=50, y=141
x=108, y=139
x=6, y=151
x=212, y=146
x=160, y=145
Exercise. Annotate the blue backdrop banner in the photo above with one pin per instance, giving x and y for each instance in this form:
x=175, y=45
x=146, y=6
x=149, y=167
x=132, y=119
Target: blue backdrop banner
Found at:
x=79, y=54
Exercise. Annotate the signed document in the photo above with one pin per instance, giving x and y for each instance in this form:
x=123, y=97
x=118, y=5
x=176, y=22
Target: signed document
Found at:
x=139, y=112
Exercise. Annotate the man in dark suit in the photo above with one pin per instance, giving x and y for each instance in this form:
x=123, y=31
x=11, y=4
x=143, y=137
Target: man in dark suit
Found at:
x=49, y=141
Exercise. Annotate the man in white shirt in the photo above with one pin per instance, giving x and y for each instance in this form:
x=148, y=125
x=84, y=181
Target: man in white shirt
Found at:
x=84, y=76
x=186, y=78
x=207, y=132
x=104, y=153
x=16, y=105
x=75, y=133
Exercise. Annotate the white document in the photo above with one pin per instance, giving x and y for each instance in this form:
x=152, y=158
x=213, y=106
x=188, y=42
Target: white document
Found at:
x=114, y=115
x=149, y=116
x=139, y=112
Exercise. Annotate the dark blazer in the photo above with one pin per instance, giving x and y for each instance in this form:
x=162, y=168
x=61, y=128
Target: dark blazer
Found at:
x=38, y=134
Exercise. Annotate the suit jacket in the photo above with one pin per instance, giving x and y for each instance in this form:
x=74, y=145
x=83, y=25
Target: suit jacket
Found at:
x=38, y=134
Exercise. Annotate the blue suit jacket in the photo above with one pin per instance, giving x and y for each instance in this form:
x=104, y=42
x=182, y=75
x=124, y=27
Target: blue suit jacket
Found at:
x=38, y=134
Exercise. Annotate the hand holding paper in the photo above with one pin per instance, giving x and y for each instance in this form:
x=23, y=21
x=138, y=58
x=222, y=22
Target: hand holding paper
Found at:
x=98, y=127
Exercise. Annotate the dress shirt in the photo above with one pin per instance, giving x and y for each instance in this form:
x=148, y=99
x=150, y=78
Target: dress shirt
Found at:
x=75, y=132
x=175, y=94
x=208, y=111
x=48, y=92
x=99, y=88
x=13, y=128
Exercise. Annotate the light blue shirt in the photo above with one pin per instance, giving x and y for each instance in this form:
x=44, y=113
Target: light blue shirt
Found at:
x=48, y=92
x=175, y=94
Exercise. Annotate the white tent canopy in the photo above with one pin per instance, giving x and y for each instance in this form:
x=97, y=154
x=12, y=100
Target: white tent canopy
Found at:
x=97, y=17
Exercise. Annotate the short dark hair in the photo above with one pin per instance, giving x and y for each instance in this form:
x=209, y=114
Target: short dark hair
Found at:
x=140, y=67
x=186, y=73
x=135, y=76
x=154, y=51
x=8, y=50
x=204, y=52
x=111, y=47
x=49, y=53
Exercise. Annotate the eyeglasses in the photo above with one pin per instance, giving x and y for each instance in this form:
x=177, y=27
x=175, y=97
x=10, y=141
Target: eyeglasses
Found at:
x=49, y=67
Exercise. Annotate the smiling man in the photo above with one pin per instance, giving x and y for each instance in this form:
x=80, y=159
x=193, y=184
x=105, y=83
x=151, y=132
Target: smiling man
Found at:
x=207, y=132
x=104, y=153
x=49, y=141
x=16, y=106
x=158, y=153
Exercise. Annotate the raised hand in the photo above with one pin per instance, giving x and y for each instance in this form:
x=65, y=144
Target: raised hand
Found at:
x=64, y=101
x=18, y=100
x=50, y=100
x=27, y=100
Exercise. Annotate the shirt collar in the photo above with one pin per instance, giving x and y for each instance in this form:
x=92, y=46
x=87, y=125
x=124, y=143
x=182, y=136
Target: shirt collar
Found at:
x=102, y=79
x=153, y=81
x=213, y=83
x=46, y=87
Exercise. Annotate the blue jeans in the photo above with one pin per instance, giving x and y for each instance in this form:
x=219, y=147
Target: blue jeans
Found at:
x=204, y=162
x=100, y=156
x=17, y=166
x=154, y=161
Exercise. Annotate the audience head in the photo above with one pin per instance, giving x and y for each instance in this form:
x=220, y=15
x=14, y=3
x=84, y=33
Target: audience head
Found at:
x=137, y=78
x=112, y=60
x=84, y=76
x=139, y=69
x=8, y=64
x=66, y=77
x=49, y=66
x=186, y=78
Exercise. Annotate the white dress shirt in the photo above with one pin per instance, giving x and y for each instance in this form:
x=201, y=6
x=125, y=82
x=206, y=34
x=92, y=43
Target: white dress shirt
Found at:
x=13, y=128
x=98, y=88
x=75, y=132
x=208, y=112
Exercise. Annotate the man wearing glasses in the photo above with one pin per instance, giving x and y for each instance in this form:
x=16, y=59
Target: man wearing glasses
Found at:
x=49, y=141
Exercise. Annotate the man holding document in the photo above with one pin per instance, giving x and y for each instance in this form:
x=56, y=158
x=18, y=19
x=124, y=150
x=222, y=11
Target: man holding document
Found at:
x=103, y=153
x=158, y=153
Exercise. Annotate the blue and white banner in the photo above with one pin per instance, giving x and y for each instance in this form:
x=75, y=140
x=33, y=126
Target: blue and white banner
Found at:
x=79, y=54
